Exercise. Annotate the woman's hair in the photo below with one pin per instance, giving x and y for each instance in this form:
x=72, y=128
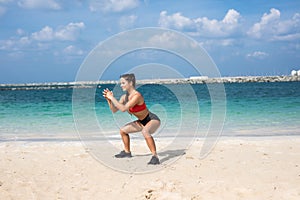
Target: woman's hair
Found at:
x=129, y=78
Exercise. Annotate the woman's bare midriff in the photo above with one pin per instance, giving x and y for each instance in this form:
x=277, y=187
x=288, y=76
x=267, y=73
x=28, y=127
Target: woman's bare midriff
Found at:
x=141, y=114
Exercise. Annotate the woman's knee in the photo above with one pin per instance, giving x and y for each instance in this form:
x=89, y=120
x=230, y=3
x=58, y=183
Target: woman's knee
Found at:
x=122, y=132
x=146, y=134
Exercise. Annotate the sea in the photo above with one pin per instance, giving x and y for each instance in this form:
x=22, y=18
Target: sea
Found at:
x=252, y=109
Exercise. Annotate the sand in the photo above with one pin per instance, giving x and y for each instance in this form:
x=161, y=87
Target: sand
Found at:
x=237, y=168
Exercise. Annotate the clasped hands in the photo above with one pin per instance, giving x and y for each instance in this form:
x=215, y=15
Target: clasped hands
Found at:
x=107, y=94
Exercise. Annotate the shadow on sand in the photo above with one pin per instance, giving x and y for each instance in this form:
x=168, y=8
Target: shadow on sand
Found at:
x=170, y=154
x=167, y=155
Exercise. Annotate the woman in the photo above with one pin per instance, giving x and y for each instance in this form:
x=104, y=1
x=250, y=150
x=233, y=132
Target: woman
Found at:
x=133, y=102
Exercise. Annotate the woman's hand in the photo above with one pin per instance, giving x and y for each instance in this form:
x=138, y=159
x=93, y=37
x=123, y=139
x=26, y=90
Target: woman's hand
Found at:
x=107, y=94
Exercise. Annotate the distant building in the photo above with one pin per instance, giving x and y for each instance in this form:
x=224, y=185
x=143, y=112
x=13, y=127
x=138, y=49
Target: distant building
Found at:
x=295, y=73
x=198, y=77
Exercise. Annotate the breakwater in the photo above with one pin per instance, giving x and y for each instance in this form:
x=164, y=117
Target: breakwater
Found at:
x=191, y=80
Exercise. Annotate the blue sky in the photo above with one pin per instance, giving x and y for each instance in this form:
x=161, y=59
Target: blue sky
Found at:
x=47, y=40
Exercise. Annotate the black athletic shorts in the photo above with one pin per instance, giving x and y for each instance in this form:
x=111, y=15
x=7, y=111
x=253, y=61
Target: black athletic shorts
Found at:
x=148, y=118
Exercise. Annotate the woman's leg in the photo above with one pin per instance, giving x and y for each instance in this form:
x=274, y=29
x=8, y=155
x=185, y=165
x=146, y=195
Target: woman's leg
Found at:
x=149, y=129
x=131, y=127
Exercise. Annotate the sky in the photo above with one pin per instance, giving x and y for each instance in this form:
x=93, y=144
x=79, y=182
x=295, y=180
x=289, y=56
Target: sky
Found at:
x=48, y=40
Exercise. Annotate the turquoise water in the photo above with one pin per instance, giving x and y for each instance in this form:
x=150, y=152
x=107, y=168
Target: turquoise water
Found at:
x=263, y=108
x=252, y=109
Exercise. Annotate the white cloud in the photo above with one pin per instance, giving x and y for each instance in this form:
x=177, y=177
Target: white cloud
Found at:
x=68, y=32
x=257, y=54
x=36, y=4
x=227, y=26
x=72, y=50
x=113, y=5
x=46, y=34
x=24, y=41
x=126, y=22
x=176, y=21
x=41, y=39
x=171, y=40
x=202, y=26
x=7, y=44
x=272, y=27
x=167, y=38
x=14, y=44
x=226, y=42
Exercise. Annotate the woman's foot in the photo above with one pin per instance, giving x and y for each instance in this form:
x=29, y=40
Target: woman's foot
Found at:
x=123, y=154
x=154, y=161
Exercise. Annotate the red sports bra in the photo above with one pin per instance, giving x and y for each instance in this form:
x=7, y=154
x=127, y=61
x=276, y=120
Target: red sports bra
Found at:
x=138, y=108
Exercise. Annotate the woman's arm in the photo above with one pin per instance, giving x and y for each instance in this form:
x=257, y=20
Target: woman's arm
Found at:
x=120, y=106
x=110, y=104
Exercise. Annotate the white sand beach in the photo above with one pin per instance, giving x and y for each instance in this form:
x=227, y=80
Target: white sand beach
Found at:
x=237, y=168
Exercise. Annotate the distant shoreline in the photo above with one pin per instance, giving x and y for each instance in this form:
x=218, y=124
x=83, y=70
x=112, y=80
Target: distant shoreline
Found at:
x=191, y=80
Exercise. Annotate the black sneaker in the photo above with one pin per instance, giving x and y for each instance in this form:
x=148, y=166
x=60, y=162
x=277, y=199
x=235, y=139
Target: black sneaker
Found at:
x=123, y=154
x=154, y=161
